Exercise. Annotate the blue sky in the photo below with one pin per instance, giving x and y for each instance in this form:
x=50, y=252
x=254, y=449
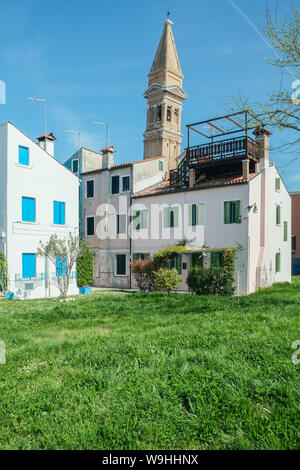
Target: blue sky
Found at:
x=91, y=59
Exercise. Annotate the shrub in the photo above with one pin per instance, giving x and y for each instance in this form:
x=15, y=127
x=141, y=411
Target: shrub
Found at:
x=85, y=267
x=3, y=273
x=210, y=281
x=167, y=279
x=143, y=274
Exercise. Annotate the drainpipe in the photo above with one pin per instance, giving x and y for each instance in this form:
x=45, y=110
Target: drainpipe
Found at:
x=130, y=222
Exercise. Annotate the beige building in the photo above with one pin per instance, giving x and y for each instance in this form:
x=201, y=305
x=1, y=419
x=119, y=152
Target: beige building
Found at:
x=164, y=97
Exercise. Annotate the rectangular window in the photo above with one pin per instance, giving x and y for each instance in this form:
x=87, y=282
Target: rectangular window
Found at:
x=59, y=213
x=28, y=265
x=140, y=256
x=196, y=214
x=115, y=184
x=75, y=166
x=161, y=165
x=28, y=209
x=197, y=259
x=125, y=184
x=176, y=263
x=140, y=219
x=294, y=243
x=285, y=231
x=232, y=212
x=277, y=263
x=171, y=217
x=121, y=265
x=277, y=184
x=90, y=228
x=90, y=189
x=61, y=266
x=278, y=215
x=121, y=223
x=23, y=156
x=216, y=259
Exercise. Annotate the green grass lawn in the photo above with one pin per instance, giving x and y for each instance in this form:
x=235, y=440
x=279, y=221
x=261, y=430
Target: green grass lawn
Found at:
x=148, y=371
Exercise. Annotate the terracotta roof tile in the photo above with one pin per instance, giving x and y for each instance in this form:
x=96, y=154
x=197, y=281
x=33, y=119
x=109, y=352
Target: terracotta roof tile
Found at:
x=212, y=182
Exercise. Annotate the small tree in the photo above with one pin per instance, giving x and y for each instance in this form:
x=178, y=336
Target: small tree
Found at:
x=85, y=267
x=143, y=274
x=167, y=280
x=3, y=273
x=63, y=254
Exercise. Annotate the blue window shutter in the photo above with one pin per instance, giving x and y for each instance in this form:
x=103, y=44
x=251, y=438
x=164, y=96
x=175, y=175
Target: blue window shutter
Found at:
x=59, y=213
x=61, y=266
x=28, y=209
x=23, y=155
x=28, y=265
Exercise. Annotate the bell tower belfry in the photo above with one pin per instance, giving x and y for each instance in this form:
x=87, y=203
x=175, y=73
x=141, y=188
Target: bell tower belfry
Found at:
x=164, y=95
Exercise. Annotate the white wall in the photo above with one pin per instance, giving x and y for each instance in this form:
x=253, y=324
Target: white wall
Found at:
x=45, y=180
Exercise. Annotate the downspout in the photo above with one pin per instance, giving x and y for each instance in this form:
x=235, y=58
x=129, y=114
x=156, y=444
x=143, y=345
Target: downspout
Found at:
x=130, y=224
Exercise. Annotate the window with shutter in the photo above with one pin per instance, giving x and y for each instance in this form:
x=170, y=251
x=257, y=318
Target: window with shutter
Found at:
x=75, y=166
x=216, y=259
x=28, y=265
x=90, y=229
x=232, y=212
x=285, y=231
x=61, y=266
x=23, y=156
x=166, y=217
x=136, y=220
x=59, y=213
x=120, y=265
x=277, y=262
x=278, y=215
x=121, y=224
x=277, y=184
x=90, y=189
x=28, y=209
x=125, y=184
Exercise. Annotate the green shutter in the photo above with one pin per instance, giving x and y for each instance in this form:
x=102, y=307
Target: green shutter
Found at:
x=176, y=216
x=237, y=212
x=278, y=215
x=215, y=259
x=200, y=214
x=277, y=262
x=285, y=231
x=227, y=212
x=178, y=263
x=147, y=255
x=277, y=184
x=190, y=215
x=144, y=219
x=197, y=259
x=166, y=216
x=136, y=256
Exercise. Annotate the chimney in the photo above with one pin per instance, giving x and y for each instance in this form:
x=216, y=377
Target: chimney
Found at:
x=192, y=177
x=107, y=157
x=245, y=166
x=262, y=137
x=46, y=142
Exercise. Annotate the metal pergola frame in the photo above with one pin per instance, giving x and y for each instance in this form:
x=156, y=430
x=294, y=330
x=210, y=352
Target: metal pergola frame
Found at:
x=228, y=117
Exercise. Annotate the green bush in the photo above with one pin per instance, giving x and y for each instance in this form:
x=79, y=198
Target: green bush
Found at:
x=167, y=279
x=85, y=268
x=3, y=273
x=210, y=281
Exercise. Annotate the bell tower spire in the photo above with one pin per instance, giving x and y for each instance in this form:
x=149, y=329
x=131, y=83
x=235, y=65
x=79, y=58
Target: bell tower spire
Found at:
x=164, y=96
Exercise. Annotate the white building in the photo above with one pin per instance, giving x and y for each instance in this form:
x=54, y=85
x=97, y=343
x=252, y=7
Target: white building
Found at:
x=39, y=197
x=237, y=199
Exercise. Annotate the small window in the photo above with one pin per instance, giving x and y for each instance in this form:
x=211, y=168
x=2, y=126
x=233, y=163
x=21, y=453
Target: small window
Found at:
x=90, y=189
x=61, y=266
x=28, y=265
x=59, y=213
x=121, y=265
x=277, y=184
x=278, y=215
x=121, y=223
x=169, y=114
x=277, y=263
x=216, y=259
x=285, y=231
x=158, y=113
x=23, y=155
x=161, y=165
x=90, y=226
x=171, y=217
x=140, y=219
x=28, y=209
x=75, y=166
x=140, y=256
x=232, y=212
x=196, y=214
x=125, y=184
x=115, y=184
x=294, y=243
x=176, y=115
x=176, y=263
